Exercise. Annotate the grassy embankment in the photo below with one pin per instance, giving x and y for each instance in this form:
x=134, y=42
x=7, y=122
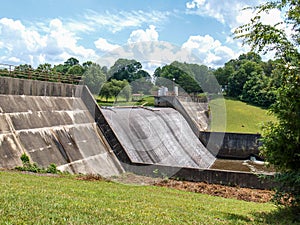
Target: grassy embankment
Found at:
x=32, y=199
x=240, y=116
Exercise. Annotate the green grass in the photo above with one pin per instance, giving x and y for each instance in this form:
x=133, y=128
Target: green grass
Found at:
x=31, y=199
x=240, y=117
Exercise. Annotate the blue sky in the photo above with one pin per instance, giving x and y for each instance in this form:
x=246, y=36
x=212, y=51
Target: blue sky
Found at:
x=52, y=31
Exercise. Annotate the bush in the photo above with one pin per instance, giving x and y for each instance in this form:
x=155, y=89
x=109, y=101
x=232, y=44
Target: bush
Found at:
x=288, y=189
x=27, y=166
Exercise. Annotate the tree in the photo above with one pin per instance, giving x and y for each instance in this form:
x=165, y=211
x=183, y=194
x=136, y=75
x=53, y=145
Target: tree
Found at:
x=105, y=91
x=281, y=140
x=71, y=62
x=45, y=68
x=23, y=70
x=125, y=69
x=238, y=79
x=141, y=86
x=126, y=90
x=75, y=70
x=93, y=77
x=178, y=72
x=63, y=68
x=116, y=88
x=249, y=79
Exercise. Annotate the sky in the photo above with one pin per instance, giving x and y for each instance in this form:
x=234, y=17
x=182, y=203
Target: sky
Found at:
x=154, y=32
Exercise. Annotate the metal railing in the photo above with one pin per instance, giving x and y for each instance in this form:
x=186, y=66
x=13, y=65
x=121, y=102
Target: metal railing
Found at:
x=34, y=74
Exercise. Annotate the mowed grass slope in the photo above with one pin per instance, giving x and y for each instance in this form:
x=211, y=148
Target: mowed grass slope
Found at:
x=32, y=199
x=240, y=116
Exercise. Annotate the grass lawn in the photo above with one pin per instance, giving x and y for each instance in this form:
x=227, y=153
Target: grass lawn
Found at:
x=31, y=199
x=240, y=117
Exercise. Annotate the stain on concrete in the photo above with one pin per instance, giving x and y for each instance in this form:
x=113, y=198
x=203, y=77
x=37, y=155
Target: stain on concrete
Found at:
x=51, y=129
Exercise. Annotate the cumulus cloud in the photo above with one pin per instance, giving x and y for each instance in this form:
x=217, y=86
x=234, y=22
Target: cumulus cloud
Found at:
x=149, y=34
x=24, y=44
x=145, y=46
x=103, y=45
x=150, y=53
x=210, y=51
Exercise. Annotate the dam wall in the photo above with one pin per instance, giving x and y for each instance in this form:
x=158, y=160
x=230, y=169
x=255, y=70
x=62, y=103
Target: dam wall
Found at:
x=221, y=144
x=157, y=136
x=211, y=176
x=234, y=145
x=104, y=126
x=51, y=124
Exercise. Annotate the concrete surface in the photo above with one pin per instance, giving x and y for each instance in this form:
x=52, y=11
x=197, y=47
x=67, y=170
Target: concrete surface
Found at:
x=51, y=129
x=158, y=136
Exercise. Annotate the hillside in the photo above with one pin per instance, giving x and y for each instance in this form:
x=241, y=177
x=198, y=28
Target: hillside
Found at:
x=240, y=116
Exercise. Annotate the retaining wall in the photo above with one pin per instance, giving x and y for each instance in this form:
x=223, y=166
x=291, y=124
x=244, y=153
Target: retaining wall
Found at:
x=234, y=145
x=231, y=178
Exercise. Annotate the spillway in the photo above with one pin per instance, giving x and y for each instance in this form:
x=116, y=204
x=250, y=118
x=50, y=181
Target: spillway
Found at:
x=158, y=136
x=52, y=129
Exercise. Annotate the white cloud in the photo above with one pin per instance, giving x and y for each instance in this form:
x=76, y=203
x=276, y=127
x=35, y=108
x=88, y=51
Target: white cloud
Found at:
x=103, y=45
x=195, y=4
x=121, y=20
x=149, y=34
x=150, y=54
x=24, y=44
x=230, y=12
x=211, y=52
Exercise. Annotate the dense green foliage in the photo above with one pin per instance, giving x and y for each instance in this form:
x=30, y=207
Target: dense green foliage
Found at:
x=249, y=79
x=191, y=78
x=281, y=139
x=94, y=77
x=29, y=199
x=131, y=71
x=125, y=69
x=116, y=88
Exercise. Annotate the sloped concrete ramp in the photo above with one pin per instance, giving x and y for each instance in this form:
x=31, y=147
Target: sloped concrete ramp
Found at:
x=56, y=130
x=158, y=136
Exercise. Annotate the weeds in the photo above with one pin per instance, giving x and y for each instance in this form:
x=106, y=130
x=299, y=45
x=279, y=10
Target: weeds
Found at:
x=34, y=168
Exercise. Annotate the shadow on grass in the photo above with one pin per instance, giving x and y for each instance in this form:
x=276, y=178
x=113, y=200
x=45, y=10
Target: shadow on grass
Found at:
x=238, y=218
x=282, y=215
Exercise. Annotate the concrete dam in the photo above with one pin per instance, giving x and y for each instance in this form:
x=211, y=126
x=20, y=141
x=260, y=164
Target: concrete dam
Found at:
x=51, y=129
x=158, y=136
x=62, y=124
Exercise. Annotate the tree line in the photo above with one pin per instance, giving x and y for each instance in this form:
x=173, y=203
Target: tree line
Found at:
x=246, y=78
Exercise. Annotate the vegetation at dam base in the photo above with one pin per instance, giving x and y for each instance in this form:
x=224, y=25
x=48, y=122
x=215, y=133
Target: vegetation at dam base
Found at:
x=32, y=199
x=34, y=168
